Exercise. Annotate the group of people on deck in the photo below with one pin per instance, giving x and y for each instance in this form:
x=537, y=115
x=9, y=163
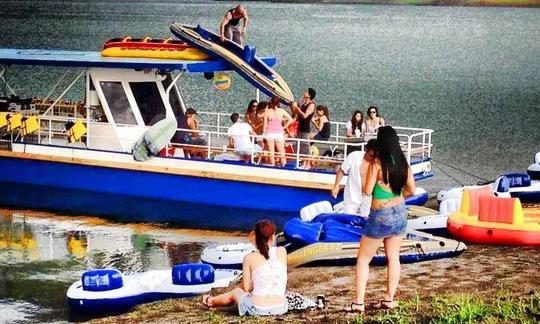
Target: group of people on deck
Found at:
x=379, y=178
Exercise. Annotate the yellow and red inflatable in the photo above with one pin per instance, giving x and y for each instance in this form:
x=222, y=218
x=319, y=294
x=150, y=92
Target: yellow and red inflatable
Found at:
x=486, y=219
x=152, y=48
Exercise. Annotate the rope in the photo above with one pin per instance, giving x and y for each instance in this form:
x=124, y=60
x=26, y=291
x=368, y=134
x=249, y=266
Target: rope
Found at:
x=460, y=170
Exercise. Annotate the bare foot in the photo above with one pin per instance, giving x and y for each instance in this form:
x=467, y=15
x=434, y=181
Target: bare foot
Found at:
x=206, y=301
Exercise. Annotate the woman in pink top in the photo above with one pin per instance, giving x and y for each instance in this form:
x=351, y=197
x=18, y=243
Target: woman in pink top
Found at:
x=273, y=129
x=264, y=278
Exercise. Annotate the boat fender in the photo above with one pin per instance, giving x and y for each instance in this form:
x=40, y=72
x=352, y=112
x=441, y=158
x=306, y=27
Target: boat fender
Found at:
x=102, y=280
x=249, y=53
x=502, y=187
x=192, y=274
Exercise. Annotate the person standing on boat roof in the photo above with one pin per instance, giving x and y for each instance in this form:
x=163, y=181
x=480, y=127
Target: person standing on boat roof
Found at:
x=230, y=25
x=356, y=166
x=304, y=114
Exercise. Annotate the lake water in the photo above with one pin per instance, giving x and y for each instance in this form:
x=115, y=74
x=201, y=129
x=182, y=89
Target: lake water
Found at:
x=471, y=74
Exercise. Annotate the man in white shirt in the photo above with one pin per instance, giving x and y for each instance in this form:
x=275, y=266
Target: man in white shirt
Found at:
x=355, y=165
x=240, y=139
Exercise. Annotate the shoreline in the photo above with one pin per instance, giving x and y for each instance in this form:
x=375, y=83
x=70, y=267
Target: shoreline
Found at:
x=441, y=3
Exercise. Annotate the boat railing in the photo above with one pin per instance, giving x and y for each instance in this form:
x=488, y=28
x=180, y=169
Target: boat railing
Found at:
x=416, y=142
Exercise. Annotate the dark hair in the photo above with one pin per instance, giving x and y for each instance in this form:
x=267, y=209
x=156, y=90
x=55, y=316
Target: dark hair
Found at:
x=372, y=145
x=250, y=106
x=274, y=102
x=264, y=229
x=376, y=111
x=324, y=109
x=312, y=93
x=191, y=111
x=357, y=124
x=262, y=105
x=234, y=117
x=393, y=162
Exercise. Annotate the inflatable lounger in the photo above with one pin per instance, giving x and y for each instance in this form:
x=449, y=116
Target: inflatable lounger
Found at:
x=109, y=291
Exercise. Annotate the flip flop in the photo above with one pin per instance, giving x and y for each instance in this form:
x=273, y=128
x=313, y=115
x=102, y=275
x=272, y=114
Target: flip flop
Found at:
x=352, y=309
x=384, y=304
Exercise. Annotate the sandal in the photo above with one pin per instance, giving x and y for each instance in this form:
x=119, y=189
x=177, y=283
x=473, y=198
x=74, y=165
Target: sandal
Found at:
x=384, y=304
x=356, y=308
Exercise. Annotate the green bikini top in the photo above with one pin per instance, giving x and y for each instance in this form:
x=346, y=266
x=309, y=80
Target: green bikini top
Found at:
x=381, y=193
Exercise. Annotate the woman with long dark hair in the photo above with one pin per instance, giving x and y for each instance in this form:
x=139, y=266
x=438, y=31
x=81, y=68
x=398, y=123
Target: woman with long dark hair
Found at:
x=373, y=120
x=264, y=278
x=251, y=113
x=356, y=127
x=389, y=178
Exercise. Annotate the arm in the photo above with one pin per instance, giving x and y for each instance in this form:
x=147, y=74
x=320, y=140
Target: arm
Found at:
x=265, y=121
x=335, y=190
x=310, y=109
x=224, y=22
x=320, y=122
x=381, y=121
x=231, y=142
x=371, y=178
x=287, y=117
x=246, y=23
x=410, y=185
x=281, y=254
x=349, y=132
x=247, y=282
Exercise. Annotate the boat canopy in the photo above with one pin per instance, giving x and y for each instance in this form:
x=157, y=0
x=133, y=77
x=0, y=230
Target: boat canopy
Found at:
x=85, y=59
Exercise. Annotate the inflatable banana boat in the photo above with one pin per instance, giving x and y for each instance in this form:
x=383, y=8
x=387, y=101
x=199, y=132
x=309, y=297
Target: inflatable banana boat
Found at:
x=486, y=219
x=152, y=48
x=109, y=291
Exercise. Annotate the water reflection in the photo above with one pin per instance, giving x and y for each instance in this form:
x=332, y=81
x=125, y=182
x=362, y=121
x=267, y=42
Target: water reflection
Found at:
x=42, y=254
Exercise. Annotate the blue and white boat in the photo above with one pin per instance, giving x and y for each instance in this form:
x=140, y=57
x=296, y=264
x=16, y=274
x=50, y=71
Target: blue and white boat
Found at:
x=103, y=291
x=90, y=168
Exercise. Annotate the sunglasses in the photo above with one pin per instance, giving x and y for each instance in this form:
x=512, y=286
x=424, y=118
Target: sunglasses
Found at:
x=373, y=112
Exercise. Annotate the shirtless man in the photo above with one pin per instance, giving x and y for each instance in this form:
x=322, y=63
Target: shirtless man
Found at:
x=230, y=24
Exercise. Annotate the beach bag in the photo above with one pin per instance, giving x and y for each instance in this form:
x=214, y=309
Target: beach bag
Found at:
x=299, y=302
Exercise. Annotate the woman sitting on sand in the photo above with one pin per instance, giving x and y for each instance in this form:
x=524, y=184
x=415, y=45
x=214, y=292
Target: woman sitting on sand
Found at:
x=264, y=278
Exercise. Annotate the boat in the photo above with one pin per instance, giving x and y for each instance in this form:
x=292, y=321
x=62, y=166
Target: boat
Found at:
x=416, y=247
x=104, y=291
x=151, y=48
x=242, y=59
x=487, y=219
x=77, y=157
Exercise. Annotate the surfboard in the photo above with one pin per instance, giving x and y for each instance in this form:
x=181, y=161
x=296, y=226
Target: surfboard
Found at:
x=243, y=60
x=154, y=139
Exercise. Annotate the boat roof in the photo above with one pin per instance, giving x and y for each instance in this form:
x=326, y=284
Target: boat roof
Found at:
x=86, y=59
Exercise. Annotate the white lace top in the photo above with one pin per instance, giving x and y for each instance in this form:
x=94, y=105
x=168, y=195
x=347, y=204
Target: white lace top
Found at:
x=271, y=277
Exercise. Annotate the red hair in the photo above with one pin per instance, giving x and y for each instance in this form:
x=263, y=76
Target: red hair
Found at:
x=264, y=229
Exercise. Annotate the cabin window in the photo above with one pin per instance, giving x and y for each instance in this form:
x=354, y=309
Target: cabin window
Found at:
x=174, y=101
x=118, y=103
x=149, y=101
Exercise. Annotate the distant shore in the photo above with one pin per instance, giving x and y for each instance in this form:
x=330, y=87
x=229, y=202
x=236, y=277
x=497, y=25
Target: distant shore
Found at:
x=455, y=3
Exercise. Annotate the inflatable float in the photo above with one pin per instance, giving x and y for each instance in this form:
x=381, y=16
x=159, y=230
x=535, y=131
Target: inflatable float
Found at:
x=332, y=239
x=242, y=59
x=152, y=48
x=486, y=219
x=109, y=291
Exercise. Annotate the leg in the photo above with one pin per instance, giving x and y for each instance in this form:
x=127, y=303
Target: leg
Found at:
x=391, y=247
x=226, y=299
x=270, y=143
x=366, y=251
x=280, y=148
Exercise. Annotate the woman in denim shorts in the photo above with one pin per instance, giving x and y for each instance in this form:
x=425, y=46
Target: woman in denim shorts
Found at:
x=388, y=179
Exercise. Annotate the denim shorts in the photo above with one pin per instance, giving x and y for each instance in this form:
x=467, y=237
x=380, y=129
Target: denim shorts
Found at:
x=386, y=222
x=246, y=307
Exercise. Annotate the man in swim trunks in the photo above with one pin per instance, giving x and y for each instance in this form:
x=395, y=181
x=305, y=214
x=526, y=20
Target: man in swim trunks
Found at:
x=230, y=25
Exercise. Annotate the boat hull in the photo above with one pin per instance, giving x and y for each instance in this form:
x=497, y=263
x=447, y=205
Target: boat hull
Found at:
x=140, y=196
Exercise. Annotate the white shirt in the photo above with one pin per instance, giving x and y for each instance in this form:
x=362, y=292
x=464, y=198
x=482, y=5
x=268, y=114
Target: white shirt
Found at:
x=353, y=187
x=357, y=133
x=240, y=134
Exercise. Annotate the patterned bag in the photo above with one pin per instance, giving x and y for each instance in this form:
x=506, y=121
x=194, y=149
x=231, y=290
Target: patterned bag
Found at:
x=299, y=302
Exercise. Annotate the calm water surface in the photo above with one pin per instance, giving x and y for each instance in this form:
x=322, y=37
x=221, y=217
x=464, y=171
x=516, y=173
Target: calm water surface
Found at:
x=471, y=74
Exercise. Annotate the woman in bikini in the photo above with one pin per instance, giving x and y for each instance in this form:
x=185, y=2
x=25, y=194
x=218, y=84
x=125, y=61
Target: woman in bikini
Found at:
x=264, y=278
x=389, y=178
